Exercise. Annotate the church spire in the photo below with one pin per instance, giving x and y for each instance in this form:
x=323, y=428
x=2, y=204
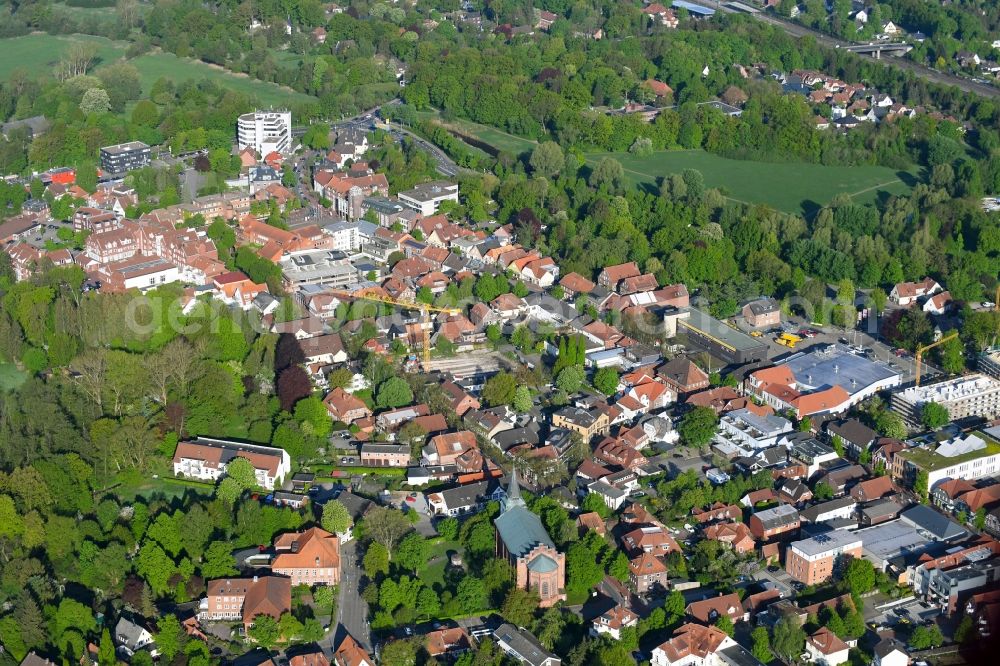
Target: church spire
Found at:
x=513, y=497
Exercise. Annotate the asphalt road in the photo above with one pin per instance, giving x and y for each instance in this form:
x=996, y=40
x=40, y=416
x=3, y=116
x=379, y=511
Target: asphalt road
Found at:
x=922, y=71
x=352, y=610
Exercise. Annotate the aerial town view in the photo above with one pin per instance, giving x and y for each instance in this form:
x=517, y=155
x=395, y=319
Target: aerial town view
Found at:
x=499, y=332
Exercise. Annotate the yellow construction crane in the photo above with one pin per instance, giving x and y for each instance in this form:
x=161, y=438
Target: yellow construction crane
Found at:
x=922, y=348
x=425, y=310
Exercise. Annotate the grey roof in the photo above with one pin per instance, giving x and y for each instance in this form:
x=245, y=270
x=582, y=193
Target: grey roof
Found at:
x=853, y=431
x=542, y=564
x=881, y=508
x=467, y=495
x=356, y=506
x=764, y=305
x=524, y=645
x=35, y=125
x=376, y=447
x=519, y=528
x=835, y=364
x=603, y=488
x=815, y=511
x=783, y=514
x=128, y=633
x=890, y=539
x=939, y=526
x=508, y=439
x=887, y=646
x=727, y=335
x=737, y=655
x=826, y=541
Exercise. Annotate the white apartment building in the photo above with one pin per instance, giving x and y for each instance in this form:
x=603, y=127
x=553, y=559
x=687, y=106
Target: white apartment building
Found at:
x=971, y=395
x=206, y=459
x=748, y=433
x=265, y=131
x=969, y=457
x=426, y=198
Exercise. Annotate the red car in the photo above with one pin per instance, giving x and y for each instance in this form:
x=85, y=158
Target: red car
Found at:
x=901, y=353
x=808, y=333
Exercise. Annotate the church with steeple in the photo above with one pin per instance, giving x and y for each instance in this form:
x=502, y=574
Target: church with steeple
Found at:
x=523, y=541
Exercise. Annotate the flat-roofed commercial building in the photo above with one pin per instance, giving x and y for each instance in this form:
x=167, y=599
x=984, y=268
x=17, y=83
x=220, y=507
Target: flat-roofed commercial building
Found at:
x=718, y=339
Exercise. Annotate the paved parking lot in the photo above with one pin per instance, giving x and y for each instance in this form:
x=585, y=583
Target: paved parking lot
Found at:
x=880, y=351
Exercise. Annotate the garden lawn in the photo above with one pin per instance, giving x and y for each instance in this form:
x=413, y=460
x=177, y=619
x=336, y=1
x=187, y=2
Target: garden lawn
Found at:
x=432, y=573
x=11, y=377
x=152, y=66
x=792, y=187
x=39, y=53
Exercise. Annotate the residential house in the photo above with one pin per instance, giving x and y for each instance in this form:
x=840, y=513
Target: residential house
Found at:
x=344, y=407
x=776, y=523
x=652, y=539
x=826, y=649
x=717, y=512
x=308, y=558
x=349, y=653
x=448, y=643
x=890, y=652
x=873, y=489
x=612, y=621
x=461, y=402
x=906, y=294
x=385, y=455
x=683, y=376
x=708, y=611
x=465, y=499
x=855, y=435
x=574, y=284
x=939, y=304
x=523, y=647
x=698, y=645
x=588, y=423
x=735, y=535
x=130, y=637
x=611, y=276
x=647, y=573
x=454, y=448
x=762, y=313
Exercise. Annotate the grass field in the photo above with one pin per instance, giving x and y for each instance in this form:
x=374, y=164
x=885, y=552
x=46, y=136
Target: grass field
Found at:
x=497, y=138
x=39, y=53
x=791, y=187
x=11, y=377
x=154, y=65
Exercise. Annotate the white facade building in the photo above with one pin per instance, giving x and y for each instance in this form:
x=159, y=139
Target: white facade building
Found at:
x=206, y=459
x=427, y=197
x=265, y=131
x=971, y=395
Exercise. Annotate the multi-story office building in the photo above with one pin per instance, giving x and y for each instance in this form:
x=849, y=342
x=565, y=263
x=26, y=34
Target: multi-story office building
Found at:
x=265, y=131
x=124, y=157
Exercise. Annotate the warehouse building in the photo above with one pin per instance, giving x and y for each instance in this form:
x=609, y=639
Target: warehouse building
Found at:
x=720, y=340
